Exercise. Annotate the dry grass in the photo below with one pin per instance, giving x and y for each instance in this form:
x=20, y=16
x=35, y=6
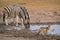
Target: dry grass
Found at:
x=29, y=2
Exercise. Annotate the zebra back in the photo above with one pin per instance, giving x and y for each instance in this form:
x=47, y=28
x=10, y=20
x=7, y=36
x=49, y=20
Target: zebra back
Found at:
x=25, y=12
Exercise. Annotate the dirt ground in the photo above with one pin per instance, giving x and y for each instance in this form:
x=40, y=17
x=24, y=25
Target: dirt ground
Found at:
x=42, y=14
x=28, y=37
x=27, y=34
x=24, y=34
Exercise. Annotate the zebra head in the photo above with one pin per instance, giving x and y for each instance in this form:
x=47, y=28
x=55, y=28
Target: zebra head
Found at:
x=26, y=17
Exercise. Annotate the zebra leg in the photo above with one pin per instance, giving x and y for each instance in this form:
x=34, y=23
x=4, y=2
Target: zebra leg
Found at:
x=6, y=19
x=16, y=20
x=22, y=24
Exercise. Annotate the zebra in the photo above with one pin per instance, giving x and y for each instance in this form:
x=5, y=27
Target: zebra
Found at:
x=16, y=11
x=27, y=18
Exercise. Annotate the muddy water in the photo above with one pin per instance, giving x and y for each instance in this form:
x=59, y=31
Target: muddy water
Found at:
x=54, y=29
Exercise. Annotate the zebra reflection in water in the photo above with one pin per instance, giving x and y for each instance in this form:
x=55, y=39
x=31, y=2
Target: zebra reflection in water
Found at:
x=16, y=12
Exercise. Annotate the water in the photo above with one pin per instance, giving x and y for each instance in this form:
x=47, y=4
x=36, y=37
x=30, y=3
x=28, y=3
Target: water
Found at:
x=54, y=29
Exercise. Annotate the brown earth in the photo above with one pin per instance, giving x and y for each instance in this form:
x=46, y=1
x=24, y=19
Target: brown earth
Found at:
x=39, y=13
x=43, y=14
x=26, y=35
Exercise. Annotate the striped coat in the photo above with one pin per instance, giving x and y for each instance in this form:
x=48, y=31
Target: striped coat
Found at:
x=16, y=11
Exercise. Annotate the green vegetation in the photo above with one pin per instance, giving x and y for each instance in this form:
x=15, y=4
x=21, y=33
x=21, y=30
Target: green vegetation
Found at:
x=29, y=2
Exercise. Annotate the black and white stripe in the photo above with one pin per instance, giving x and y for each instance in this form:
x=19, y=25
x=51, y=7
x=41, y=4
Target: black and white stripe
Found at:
x=26, y=17
x=15, y=10
x=25, y=12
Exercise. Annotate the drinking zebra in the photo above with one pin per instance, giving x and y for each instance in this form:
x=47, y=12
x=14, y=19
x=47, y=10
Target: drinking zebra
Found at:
x=16, y=11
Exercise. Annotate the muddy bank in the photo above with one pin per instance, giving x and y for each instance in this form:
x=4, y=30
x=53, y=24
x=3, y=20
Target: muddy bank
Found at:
x=30, y=38
x=26, y=35
x=23, y=34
